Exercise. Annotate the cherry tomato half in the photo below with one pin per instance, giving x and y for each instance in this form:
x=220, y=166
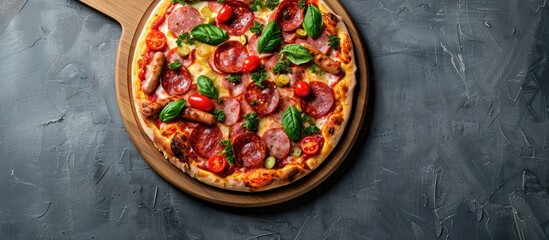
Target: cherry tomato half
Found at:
x=310, y=145
x=225, y=14
x=217, y=163
x=156, y=40
x=201, y=102
x=251, y=63
x=302, y=89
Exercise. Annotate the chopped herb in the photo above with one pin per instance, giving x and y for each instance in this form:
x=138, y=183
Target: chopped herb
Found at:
x=333, y=41
x=286, y=14
x=259, y=76
x=316, y=70
x=219, y=115
x=256, y=5
x=252, y=122
x=182, y=2
x=310, y=130
x=228, y=151
x=233, y=79
x=184, y=38
x=272, y=4
x=282, y=66
x=301, y=4
x=254, y=102
x=176, y=65
x=305, y=117
x=257, y=28
x=221, y=1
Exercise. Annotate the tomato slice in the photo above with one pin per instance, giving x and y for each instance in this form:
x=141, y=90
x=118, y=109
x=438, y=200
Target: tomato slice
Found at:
x=302, y=89
x=156, y=40
x=251, y=63
x=201, y=102
x=310, y=145
x=217, y=163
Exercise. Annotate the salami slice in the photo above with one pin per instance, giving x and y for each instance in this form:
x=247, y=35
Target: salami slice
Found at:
x=244, y=106
x=285, y=103
x=289, y=37
x=297, y=74
x=237, y=129
x=252, y=47
x=176, y=82
x=243, y=18
x=289, y=16
x=271, y=61
x=229, y=56
x=277, y=142
x=205, y=140
x=249, y=149
x=185, y=61
x=320, y=43
x=231, y=108
x=262, y=100
x=183, y=20
x=321, y=100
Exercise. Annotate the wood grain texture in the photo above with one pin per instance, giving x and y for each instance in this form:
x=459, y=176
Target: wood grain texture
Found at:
x=132, y=16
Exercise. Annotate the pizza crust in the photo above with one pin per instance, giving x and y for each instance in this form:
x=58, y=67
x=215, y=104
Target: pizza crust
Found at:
x=259, y=179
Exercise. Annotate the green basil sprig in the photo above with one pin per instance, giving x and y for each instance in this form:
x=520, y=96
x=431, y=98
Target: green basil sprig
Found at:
x=296, y=53
x=291, y=121
x=206, y=87
x=209, y=34
x=270, y=38
x=313, y=21
x=170, y=111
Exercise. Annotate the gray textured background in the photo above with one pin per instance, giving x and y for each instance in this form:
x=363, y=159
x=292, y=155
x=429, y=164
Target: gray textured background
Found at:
x=455, y=146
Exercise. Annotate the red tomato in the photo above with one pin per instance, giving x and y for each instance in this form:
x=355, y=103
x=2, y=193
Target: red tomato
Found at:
x=310, y=145
x=217, y=163
x=201, y=102
x=156, y=24
x=251, y=63
x=225, y=14
x=142, y=74
x=156, y=40
x=302, y=89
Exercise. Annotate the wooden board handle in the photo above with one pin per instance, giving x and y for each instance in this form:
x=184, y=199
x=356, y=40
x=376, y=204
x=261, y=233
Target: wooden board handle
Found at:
x=127, y=13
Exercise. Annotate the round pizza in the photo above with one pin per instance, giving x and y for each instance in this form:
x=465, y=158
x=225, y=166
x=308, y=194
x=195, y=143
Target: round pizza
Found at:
x=244, y=95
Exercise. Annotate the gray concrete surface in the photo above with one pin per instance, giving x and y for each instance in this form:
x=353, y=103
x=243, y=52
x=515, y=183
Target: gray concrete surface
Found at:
x=455, y=146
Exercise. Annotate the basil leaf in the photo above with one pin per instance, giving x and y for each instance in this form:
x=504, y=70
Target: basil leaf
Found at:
x=209, y=34
x=206, y=87
x=313, y=21
x=291, y=121
x=170, y=111
x=270, y=38
x=296, y=53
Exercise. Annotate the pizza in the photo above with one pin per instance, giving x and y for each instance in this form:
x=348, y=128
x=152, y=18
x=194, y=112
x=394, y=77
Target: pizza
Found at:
x=244, y=95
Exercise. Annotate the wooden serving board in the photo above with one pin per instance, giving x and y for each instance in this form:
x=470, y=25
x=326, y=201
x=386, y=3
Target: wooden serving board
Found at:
x=132, y=15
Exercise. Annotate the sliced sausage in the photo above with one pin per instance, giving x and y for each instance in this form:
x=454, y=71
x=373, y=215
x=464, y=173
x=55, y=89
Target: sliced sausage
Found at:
x=183, y=20
x=229, y=56
x=231, y=108
x=196, y=115
x=205, y=140
x=289, y=15
x=249, y=149
x=277, y=142
x=320, y=101
x=323, y=61
x=153, y=74
x=152, y=108
x=262, y=100
x=243, y=18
